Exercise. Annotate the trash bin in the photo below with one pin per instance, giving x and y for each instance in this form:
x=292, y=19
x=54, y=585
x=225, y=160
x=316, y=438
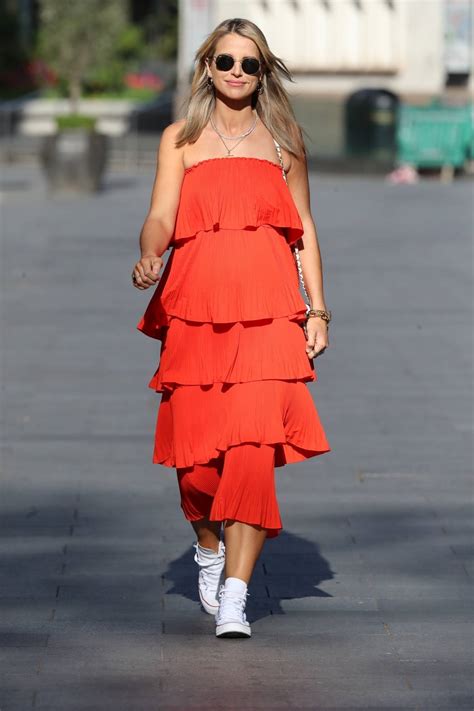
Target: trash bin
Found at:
x=370, y=123
x=434, y=136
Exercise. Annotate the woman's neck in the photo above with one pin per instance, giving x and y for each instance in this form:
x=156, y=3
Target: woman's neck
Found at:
x=233, y=121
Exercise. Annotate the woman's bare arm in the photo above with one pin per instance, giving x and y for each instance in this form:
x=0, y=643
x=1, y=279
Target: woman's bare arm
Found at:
x=159, y=224
x=310, y=254
x=160, y=220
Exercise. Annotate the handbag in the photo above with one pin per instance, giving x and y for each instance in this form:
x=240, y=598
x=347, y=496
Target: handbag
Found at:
x=294, y=248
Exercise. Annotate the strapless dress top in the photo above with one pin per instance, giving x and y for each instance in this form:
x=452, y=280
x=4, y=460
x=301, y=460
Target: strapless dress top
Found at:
x=235, y=193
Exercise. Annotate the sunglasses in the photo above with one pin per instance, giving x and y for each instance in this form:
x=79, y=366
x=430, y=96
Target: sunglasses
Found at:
x=225, y=62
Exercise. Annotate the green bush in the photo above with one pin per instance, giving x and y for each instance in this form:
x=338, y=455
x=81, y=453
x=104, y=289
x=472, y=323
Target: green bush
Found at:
x=75, y=121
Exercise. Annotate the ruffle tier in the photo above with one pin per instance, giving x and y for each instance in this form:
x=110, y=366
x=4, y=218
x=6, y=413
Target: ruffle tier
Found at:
x=217, y=194
x=227, y=277
x=202, y=354
x=195, y=423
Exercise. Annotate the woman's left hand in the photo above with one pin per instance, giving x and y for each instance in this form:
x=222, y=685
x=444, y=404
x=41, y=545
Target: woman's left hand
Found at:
x=317, y=339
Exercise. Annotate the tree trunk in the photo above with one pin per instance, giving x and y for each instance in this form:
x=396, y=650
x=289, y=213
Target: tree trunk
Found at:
x=74, y=94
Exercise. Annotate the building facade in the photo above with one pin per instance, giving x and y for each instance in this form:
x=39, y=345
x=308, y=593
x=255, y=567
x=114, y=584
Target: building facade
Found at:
x=415, y=48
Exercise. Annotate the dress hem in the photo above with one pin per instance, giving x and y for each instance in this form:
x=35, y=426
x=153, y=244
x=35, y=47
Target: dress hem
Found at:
x=286, y=453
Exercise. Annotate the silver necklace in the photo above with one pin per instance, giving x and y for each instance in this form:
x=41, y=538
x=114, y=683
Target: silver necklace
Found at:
x=240, y=137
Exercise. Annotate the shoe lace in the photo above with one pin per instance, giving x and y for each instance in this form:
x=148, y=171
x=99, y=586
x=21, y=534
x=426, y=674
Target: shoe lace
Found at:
x=232, y=602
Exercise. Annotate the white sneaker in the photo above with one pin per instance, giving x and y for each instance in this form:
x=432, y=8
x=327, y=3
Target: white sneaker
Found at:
x=211, y=575
x=230, y=619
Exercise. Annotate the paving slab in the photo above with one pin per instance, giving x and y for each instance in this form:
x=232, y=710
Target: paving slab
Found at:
x=365, y=600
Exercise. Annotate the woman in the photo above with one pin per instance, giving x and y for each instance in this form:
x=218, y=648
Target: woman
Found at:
x=234, y=358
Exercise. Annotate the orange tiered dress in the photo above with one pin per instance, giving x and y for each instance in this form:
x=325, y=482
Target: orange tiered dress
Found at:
x=228, y=310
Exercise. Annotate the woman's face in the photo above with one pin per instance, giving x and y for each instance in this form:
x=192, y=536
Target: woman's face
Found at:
x=234, y=83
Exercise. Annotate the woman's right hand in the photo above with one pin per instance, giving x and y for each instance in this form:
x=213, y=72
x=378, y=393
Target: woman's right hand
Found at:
x=146, y=270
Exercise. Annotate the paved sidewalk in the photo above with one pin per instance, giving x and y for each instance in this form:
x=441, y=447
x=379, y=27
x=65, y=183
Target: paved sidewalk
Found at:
x=365, y=601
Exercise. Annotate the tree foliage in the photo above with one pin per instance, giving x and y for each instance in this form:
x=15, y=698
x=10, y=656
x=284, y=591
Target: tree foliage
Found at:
x=76, y=36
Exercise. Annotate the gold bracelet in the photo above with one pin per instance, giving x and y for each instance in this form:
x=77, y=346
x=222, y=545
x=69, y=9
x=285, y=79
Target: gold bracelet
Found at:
x=325, y=315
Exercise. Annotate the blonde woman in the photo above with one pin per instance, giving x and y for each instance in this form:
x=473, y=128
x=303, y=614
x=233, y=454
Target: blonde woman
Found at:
x=231, y=198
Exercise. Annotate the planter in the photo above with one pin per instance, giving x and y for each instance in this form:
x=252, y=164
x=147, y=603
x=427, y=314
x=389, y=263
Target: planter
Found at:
x=74, y=160
x=114, y=117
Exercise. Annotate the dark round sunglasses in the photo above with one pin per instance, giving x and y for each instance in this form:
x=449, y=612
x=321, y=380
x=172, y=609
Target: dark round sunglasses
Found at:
x=225, y=62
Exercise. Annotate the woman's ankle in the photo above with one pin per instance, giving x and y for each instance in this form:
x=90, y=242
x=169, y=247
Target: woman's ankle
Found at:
x=207, y=534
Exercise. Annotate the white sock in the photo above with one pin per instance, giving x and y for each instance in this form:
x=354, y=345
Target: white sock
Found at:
x=207, y=551
x=236, y=585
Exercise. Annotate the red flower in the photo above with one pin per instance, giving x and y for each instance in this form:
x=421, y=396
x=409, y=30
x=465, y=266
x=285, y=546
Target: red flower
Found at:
x=143, y=80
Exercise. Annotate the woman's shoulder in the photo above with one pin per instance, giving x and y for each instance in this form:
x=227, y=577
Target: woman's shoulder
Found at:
x=176, y=125
x=168, y=150
x=170, y=131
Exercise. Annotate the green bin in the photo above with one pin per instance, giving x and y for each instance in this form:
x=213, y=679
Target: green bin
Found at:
x=434, y=136
x=471, y=134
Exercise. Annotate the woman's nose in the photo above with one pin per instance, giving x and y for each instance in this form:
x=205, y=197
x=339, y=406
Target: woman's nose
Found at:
x=237, y=68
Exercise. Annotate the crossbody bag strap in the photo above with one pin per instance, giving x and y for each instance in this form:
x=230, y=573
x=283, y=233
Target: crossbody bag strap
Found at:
x=296, y=251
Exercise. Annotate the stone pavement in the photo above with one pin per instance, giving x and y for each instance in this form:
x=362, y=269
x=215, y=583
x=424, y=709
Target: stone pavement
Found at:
x=365, y=601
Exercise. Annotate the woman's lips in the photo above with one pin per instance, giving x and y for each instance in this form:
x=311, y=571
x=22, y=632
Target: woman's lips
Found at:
x=235, y=83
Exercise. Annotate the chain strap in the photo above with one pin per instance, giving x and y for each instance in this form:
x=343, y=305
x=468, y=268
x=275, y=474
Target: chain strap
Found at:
x=294, y=248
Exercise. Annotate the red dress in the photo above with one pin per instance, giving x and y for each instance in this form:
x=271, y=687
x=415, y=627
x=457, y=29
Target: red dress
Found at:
x=228, y=311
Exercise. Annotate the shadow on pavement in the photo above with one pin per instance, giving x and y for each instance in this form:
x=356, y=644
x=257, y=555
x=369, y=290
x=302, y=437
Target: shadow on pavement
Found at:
x=289, y=567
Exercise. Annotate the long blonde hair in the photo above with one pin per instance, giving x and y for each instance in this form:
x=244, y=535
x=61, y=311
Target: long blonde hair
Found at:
x=272, y=105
